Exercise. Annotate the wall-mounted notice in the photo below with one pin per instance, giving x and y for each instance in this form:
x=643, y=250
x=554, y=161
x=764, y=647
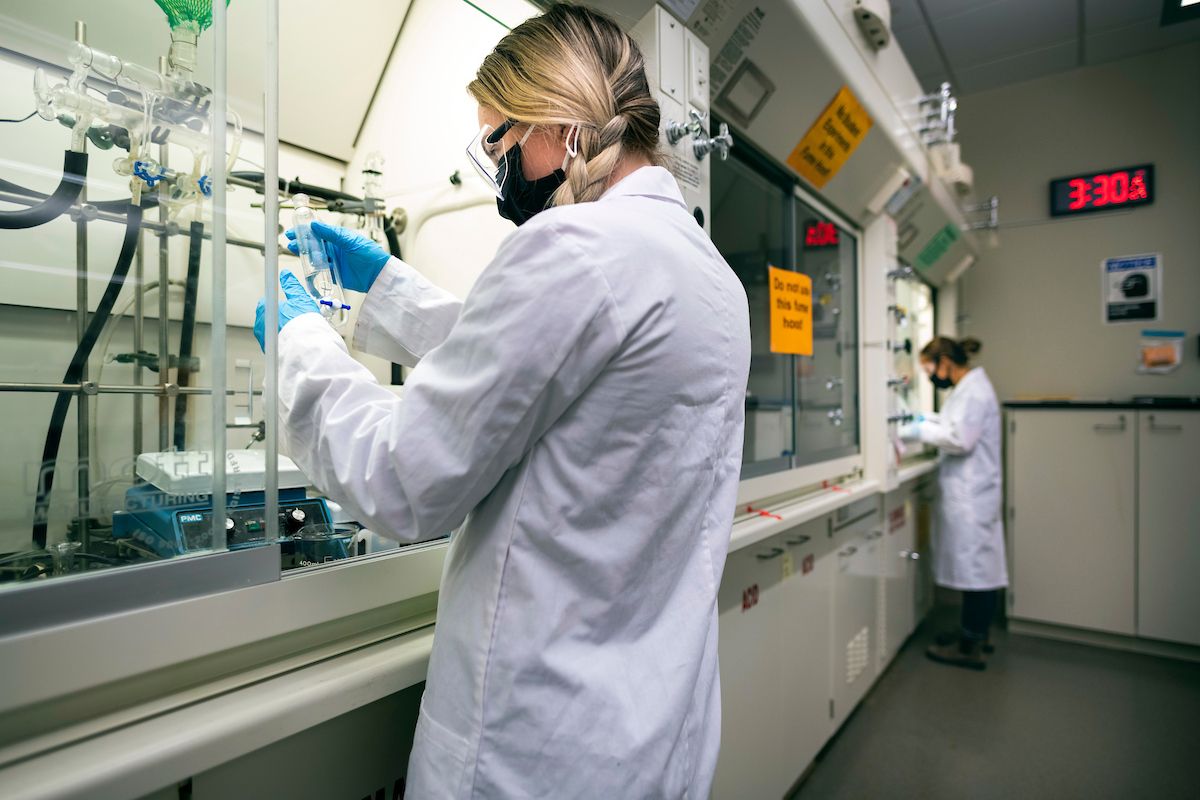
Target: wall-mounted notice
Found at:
x=831, y=140
x=791, y=312
x=1131, y=288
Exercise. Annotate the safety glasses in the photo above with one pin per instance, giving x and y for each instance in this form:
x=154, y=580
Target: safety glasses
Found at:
x=488, y=158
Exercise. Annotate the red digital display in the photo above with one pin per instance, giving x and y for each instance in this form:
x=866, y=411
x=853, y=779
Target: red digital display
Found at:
x=821, y=234
x=1101, y=191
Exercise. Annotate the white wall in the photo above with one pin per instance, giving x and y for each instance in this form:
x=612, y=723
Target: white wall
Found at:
x=1034, y=301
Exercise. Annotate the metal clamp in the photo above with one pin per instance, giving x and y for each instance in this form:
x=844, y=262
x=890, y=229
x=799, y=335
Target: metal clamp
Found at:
x=901, y=273
x=833, y=382
x=910, y=555
x=775, y=552
x=836, y=417
x=903, y=419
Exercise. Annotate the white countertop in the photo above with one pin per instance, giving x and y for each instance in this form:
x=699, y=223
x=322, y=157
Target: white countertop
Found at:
x=787, y=516
x=916, y=469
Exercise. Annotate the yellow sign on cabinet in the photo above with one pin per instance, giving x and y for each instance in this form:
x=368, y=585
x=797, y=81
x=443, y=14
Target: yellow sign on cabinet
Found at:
x=831, y=140
x=791, y=312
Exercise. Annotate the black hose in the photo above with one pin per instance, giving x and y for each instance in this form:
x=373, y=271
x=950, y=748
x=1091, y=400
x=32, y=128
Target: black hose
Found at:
x=58, y=417
x=196, y=231
x=296, y=187
x=148, y=201
x=74, y=174
x=389, y=230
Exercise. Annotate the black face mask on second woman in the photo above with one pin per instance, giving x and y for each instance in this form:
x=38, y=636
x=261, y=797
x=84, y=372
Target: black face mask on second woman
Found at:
x=938, y=381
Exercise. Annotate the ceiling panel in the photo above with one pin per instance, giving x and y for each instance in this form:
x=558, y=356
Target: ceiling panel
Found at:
x=1022, y=67
x=920, y=50
x=944, y=9
x=1140, y=37
x=1005, y=28
x=1102, y=14
x=906, y=14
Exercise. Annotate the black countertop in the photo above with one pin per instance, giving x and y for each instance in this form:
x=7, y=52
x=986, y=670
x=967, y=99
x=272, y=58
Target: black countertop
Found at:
x=1148, y=403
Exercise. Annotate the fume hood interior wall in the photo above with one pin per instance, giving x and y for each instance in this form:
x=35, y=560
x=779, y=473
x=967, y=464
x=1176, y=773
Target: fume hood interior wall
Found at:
x=421, y=122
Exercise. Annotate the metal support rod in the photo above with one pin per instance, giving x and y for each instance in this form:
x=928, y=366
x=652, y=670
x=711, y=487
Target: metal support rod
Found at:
x=83, y=422
x=271, y=265
x=89, y=388
x=139, y=319
x=164, y=310
x=218, y=356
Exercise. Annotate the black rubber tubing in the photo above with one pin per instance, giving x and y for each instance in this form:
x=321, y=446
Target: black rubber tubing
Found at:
x=74, y=174
x=116, y=206
x=389, y=230
x=58, y=417
x=187, y=332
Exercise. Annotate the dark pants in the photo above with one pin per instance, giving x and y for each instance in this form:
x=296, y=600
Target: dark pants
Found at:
x=978, y=608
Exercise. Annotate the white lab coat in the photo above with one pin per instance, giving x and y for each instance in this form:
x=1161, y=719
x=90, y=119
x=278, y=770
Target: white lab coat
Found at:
x=582, y=412
x=969, y=548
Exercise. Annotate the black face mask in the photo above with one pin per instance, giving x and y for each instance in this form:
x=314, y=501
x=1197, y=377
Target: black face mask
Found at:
x=524, y=198
x=938, y=382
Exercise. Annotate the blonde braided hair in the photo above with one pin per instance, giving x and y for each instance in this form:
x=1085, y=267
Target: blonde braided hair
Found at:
x=575, y=67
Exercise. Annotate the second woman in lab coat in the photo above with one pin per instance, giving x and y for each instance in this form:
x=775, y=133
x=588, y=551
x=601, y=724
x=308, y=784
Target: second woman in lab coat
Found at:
x=969, y=549
x=577, y=422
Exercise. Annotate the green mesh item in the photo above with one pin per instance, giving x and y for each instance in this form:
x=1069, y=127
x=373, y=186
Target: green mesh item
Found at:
x=181, y=11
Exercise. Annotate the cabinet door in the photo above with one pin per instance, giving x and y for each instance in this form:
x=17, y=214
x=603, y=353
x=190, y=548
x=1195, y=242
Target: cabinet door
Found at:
x=1169, y=525
x=854, y=597
x=1072, y=495
x=897, y=571
x=805, y=645
x=753, y=760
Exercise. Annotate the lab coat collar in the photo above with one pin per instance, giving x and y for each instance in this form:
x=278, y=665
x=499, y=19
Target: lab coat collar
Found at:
x=654, y=182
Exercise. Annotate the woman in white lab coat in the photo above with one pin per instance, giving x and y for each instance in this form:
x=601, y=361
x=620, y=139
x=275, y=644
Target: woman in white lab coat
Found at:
x=969, y=549
x=577, y=421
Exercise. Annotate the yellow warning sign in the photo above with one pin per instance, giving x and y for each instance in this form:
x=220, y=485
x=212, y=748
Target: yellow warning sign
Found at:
x=791, y=312
x=831, y=140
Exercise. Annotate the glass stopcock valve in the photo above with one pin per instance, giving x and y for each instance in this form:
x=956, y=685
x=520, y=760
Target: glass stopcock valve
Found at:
x=320, y=270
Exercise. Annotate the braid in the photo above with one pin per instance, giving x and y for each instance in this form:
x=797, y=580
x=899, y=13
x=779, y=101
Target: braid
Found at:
x=599, y=154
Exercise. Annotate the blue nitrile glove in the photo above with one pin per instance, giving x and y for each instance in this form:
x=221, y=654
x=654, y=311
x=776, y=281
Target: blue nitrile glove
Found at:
x=912, y=431
x=359, y=259
x=296, y=301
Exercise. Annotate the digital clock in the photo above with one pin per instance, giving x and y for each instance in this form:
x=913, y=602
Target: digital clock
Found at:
x=1102, y=191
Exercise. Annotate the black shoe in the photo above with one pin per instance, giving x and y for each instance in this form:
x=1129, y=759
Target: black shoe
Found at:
x=966, y=653
x=950, y=637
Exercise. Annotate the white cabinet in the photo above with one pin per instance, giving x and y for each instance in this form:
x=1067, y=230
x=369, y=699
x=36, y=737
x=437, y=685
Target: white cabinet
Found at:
x=1072, y=496
x=754, y=759
x=898, y=571
x=855, y=574
x=1169, y=526
x=805, y=642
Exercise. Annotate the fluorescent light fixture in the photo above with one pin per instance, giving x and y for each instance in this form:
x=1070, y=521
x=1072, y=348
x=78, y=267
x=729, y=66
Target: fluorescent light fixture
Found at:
x=1186, y=3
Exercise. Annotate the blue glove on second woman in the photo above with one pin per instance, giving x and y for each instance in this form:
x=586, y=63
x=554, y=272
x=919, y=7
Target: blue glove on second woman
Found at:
x=296, y=301
x=359, y=258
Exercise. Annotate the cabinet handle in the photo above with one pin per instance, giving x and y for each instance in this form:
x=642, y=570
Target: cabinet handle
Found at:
x=799, y=540
x=873, y=535
x=1120, y=426
x=775, y=552
x=849, y=551
x=1154, y=426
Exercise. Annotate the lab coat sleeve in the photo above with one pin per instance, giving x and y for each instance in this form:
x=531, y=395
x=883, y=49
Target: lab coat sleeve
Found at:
x=539, y=326
x=404, y=316
x=957, y=430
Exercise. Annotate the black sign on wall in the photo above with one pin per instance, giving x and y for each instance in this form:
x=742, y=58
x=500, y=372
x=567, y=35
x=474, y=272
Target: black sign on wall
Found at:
x=1102, y=191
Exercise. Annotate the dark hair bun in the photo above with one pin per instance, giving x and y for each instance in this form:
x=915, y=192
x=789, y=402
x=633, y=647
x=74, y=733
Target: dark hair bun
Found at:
x=970, y=345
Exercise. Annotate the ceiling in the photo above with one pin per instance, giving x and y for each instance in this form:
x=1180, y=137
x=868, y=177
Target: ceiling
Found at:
x=984, y=44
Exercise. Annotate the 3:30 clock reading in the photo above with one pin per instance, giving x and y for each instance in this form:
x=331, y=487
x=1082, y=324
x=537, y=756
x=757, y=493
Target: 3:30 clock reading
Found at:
x=1101, y=190
x=1106, y=189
